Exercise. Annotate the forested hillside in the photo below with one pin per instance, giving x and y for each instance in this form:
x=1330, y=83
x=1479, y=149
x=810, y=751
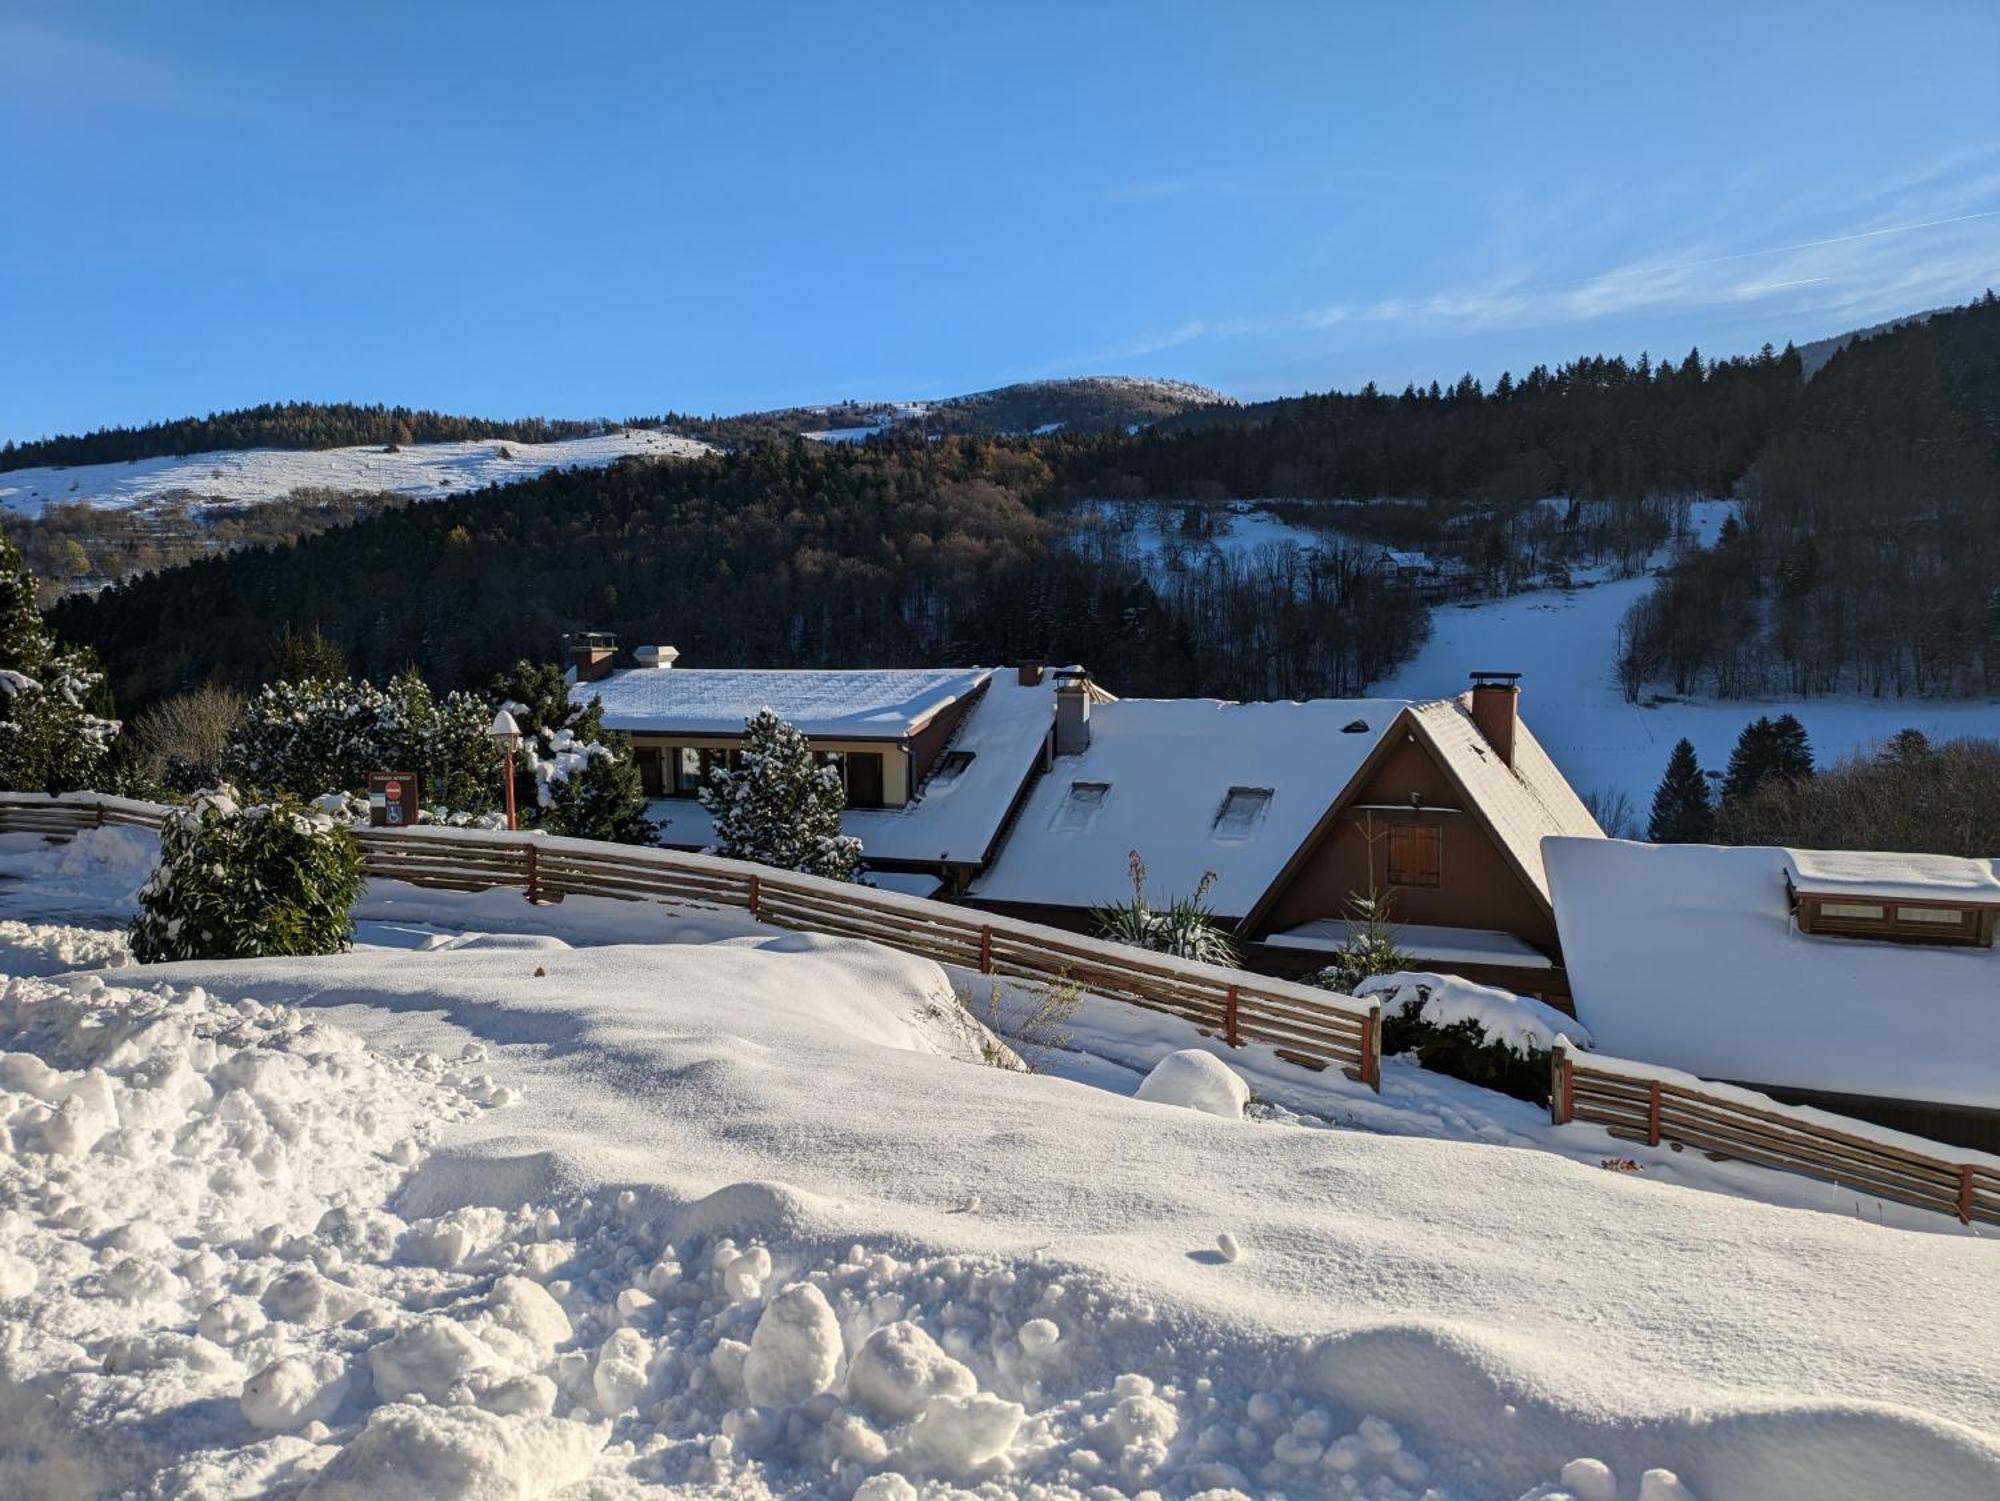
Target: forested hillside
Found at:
x=1869, y=555
x=1865, y=558
x=909, y=552
x=288, y=424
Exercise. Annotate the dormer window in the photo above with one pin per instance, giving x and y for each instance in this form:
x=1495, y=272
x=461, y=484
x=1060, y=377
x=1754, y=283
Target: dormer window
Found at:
x=1932, y=899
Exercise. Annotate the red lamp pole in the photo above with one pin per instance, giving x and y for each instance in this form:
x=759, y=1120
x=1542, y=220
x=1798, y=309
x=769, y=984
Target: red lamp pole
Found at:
x=510, y=792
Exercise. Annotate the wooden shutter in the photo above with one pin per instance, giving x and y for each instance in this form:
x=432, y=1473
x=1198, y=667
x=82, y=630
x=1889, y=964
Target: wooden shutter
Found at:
x=1416, y=854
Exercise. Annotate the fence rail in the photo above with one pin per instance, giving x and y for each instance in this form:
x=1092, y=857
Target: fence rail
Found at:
x=1300, y=1023
x=1639, y=1103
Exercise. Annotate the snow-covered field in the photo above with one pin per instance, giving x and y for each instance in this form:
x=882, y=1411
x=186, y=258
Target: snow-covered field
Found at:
x=424, y=471
x=1562, y=642
x=1152, y=531
x=473, y=1212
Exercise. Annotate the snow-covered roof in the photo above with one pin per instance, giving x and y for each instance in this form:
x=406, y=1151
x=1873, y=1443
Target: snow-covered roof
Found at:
x=1909, y=877
x=1523, y=804
x=1168, y=768
x=1436, y=945
x=884, y=703
x=952, y=819
x=1686, y=955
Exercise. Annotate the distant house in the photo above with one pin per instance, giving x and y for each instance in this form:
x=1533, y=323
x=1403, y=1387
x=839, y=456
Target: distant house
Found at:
x=1298, y=808
x=933, y=759
x=1025, y=789
x=1862, y=983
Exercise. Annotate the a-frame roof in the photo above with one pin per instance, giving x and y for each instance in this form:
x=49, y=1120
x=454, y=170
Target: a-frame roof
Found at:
x=1517, y=806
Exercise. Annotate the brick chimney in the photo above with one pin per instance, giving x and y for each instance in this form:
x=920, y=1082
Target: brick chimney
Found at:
x=1031, y=674
x=1496, y=710
x=1072, y=711
x=592, y=654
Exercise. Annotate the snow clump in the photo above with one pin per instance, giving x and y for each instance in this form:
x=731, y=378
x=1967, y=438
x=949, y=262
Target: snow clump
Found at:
x=1199, y=1081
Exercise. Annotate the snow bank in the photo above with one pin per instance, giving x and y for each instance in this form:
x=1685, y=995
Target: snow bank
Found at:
x=100, y=870
x=1199, y=1081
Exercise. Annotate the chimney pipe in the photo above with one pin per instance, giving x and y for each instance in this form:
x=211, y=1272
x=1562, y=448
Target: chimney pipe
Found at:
x=1496, y=709
x=1031, y=674
x=1072, y=711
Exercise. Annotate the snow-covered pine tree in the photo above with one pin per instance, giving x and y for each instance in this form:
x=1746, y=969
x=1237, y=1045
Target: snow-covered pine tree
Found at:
x=1682, y=812
x=573, y=776
x=55, y=731
x=238, y=882
x=322, y=734
x=777, y=808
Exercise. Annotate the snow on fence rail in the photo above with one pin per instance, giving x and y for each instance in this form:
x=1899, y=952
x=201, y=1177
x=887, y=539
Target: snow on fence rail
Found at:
x=1300, y=1023
x=1640, y=1102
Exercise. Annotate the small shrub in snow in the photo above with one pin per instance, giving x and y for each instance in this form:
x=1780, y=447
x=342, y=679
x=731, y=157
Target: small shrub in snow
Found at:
x=236, y=883
x=777, y=808
x=1197, y=1081
x=1369, y=950
x=1472, y=1032
x=1034, y=1018
x=1185, y=928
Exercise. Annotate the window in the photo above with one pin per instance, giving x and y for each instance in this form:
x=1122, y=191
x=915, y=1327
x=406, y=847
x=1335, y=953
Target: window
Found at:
x=652, y=770
x=1241, y=811
x=1890, y=921
x=860, y=774
x=1416, y=854
x=1948, y=916
x=1080, y=807
x=951, y=768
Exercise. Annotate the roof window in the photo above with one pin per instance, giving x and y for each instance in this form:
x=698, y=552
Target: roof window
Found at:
x=1242, y=809
x=1079, y=809
x=951, y=767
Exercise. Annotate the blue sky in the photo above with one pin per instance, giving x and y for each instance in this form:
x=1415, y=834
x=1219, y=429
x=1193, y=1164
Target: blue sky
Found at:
x=591, y=209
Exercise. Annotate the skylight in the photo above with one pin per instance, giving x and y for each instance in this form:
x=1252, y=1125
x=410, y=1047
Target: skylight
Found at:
x=952, y=767
x=1241, y=811
x=1080, y=807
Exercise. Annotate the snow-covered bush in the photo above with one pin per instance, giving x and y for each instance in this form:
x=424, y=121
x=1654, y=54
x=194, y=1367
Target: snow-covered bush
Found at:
x=1477, y=1033
x=572, y=776
x=313, y=734
x=777, y=808
x=238, y=882
x=1185, y=927
x=55, y=733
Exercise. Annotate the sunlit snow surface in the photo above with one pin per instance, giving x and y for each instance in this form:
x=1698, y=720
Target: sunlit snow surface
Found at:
x=424, y=471
x=518, y=1198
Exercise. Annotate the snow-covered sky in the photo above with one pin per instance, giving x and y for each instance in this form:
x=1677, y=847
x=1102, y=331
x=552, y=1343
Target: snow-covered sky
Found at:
x=610, y=210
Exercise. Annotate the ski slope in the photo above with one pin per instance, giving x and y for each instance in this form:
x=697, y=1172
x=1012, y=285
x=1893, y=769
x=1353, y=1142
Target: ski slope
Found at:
x=421, y=471
x=1561, y=641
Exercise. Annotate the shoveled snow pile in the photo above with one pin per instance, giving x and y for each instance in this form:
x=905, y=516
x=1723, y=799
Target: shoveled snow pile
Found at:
x=99, y=871
x=1199, y=1081
x=759, y=1223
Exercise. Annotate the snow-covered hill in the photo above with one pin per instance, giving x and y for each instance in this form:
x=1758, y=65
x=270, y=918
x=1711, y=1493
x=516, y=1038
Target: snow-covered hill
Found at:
x=736, y=1213
x=423, y=471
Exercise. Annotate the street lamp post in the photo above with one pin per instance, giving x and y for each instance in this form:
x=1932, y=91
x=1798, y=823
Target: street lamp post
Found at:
x=507, y=735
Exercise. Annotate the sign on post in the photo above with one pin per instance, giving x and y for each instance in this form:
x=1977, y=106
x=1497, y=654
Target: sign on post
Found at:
x=392, y=800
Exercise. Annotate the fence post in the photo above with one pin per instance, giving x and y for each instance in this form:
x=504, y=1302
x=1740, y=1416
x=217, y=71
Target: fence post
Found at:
x=1562, y=1103
x=1229, y=1034
x=753, y=898
x=1653, y=1114
x=1371, y=1048
x=1965, y=1193
x=986, y=948
x=534, y=874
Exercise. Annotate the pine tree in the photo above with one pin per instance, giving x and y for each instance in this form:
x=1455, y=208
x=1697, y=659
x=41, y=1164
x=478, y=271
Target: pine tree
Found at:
x=56, y=733
x=1682, y=813
x=1791, y=752
x=309, y=658
x=576, y=777
x=777, y=808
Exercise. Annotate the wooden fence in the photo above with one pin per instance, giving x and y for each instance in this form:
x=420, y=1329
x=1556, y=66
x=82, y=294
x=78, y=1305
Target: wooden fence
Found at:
x=1640, y=1103
x=1301, y=1023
